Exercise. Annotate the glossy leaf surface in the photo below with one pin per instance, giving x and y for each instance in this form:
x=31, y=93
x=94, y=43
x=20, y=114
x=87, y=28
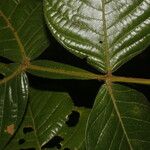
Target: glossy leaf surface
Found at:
x=50, y=110
x=22, y=29
x=106, y=32
x=74, y=136
x=47, y=113
x=119, y=120
x=13, y=100
x=56, y=70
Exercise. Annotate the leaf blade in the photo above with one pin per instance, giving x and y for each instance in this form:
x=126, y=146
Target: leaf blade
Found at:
x=13, y=101
x=74, y=137
x=88, y=29
x=22, y=27
x=43, y=105
x=119, y=131
x=56, y=70
x=47, y=112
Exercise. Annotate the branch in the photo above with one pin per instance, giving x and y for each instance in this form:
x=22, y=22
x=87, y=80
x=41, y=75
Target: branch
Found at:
x=130, y=80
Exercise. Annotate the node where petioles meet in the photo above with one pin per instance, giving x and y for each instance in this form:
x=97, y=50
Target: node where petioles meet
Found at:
x=25, y=63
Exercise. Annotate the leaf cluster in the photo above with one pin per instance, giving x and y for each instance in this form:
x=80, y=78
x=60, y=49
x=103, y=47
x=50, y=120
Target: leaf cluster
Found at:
x=103, y=35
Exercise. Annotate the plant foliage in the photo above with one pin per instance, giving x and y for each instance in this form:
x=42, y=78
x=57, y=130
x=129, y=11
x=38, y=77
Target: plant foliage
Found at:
x=105, y=33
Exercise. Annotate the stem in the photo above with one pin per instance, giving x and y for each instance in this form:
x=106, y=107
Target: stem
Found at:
x=130, y=80
x=85, y=75
x=13, y=75
x=90, y=76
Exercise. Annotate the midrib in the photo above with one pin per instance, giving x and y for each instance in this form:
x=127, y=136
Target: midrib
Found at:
x=15, y=34
x=65, y=72
x=105, y=42
x=110, y=91
x=34, y=127
x=109, y=71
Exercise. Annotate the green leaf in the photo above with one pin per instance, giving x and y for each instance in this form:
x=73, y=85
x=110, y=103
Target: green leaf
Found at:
x=55, y=70
x=22, y=29
x=120, y=120
x=13, y=100
x=8, y=69
x=47, y=113
x=74, y=137
x=107, y=33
